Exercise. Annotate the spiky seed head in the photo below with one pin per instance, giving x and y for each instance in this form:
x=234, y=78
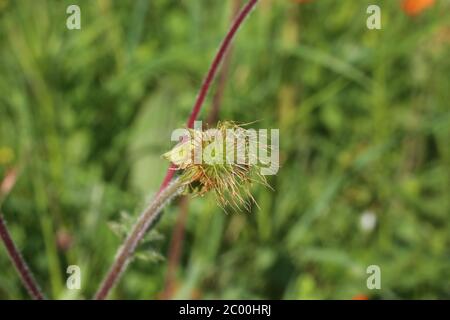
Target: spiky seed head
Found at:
x=229, y=179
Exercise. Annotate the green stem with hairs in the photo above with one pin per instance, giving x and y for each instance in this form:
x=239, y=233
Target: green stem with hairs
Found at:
x=146, y=221
x=169, y=189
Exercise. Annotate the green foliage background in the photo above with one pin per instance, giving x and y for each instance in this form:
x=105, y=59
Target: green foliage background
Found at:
x=364, y=127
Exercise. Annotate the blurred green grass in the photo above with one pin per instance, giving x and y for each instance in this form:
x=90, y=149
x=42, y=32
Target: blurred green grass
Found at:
x=364, y=123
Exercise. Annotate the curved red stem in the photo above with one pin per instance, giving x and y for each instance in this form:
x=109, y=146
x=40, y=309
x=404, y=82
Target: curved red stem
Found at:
x=210, y=77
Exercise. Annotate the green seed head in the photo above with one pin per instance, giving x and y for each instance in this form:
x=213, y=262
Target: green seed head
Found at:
x=219, y=169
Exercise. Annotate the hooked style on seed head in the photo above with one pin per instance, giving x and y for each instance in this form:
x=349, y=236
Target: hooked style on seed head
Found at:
x=222, y=160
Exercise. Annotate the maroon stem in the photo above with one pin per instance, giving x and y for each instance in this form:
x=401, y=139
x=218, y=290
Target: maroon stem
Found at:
x=223, y=77
x=210, y=77
x=218, y=59
x=177, y=241
x=22, y=269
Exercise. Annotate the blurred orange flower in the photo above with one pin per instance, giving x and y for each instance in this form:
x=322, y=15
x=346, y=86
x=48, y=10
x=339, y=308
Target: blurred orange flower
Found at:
x=360, y=296
x=415, y=7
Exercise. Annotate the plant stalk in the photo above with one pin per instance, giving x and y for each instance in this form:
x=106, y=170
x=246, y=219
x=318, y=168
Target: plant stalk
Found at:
x=19, y=263
x=240, y=18
x=169, y=190
x=145, y=222
x=177, y=239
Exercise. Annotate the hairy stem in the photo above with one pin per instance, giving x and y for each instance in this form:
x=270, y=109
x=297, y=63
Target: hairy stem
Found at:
x=243, y=14
x=168, y=190
x=146, y=221
x=19, y=263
